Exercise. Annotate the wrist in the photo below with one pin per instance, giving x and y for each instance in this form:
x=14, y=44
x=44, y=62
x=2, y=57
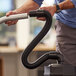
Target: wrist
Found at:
x=67, y=4
x=58, y=9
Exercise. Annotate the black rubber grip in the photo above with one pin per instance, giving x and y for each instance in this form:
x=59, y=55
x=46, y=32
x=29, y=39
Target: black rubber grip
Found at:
x=36, y=40
x=38, y=13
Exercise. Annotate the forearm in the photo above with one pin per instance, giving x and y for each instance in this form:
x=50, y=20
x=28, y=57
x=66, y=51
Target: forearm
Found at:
x=27, y=6
x=67, y=4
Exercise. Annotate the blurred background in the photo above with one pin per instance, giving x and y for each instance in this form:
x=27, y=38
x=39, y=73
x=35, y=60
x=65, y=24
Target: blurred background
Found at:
x=15, y=38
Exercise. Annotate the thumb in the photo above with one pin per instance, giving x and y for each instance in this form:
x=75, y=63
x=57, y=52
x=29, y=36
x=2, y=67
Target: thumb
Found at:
x=8, y=13
x=43, y=8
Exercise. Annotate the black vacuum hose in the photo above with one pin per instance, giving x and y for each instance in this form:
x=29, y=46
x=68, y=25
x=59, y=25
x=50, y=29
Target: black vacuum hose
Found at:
x=36, y=40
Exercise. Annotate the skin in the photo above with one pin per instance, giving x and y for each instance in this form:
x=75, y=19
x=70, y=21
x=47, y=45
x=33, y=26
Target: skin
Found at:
x=67, y=4
x=23, y=9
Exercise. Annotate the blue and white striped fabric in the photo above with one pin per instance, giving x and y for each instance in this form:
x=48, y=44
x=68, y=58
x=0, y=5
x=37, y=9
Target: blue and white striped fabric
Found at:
x=68, y=16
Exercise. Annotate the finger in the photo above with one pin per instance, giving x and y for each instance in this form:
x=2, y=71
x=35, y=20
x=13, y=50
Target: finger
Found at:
x=41, y=18
x=7, y=22
x=9, y=13
x=44, y=8
x=11, y=23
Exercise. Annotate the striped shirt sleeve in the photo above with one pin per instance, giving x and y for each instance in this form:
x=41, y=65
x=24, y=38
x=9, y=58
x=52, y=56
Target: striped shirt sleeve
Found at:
x=74, y=2
x=39, y=2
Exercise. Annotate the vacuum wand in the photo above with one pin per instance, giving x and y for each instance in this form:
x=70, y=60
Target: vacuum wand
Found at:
x=13, y=17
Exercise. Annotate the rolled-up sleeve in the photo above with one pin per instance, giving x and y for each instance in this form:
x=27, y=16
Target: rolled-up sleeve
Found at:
x=74, y=2
x=39, y=2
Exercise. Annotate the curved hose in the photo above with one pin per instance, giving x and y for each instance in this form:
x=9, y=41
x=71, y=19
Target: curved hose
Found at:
x=36, y=40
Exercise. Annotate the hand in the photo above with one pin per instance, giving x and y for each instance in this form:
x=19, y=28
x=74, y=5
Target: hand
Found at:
x=50, y=9
x=11, y=22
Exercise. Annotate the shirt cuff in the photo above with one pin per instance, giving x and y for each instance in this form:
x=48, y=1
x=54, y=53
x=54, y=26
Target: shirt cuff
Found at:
x=39, y=2
x=74, y=2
